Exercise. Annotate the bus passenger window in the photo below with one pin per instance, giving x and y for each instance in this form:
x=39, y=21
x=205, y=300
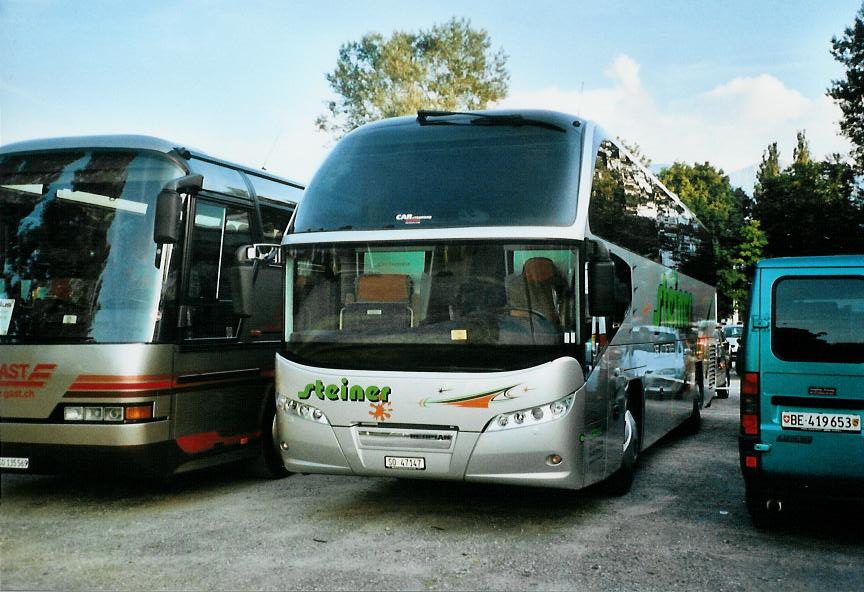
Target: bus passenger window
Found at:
x=217, y=233
x=274, y=221
x=623, y=293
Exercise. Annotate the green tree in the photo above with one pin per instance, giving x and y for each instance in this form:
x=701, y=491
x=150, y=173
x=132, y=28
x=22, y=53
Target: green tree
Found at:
x=724, y=212
x=811, y=207
x=770, y=165
x=450, y=66
x=801, y=154
x=848, y=49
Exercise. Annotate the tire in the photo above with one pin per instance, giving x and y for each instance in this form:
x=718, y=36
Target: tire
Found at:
x=269, y=449
x=622, y=480
x=757, y=507
x=693, y=423
x=723, y=392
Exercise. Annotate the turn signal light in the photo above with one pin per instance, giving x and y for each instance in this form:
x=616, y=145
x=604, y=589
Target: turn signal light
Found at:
x=138, y=412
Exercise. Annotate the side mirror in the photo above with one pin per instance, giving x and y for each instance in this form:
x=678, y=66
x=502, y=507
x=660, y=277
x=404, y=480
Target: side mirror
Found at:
x=601, y=280
x=248, y=262
x=166, y=227
x=601, y=288
x=243, y=274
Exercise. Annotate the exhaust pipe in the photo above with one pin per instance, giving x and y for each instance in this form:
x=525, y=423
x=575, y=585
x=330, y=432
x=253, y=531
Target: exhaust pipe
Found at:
x=774, y=506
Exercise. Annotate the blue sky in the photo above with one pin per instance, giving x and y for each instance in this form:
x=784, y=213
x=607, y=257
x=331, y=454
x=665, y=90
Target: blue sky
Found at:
x=686, y=80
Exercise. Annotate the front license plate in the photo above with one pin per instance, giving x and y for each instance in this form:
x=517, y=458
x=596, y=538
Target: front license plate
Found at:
x=11, y=462
x=820, y=422
x=410, y=463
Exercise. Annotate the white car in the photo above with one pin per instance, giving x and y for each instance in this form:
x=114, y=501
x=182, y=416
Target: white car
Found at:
x=733, y=334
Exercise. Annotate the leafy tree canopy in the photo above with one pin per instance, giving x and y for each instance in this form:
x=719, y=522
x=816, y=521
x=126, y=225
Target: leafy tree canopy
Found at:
x=848, y=49
x=811, y=207
x=450, y=66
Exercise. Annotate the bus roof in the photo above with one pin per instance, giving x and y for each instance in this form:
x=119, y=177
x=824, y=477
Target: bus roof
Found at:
x=559, y=119
x=131, y=142
x=813, y=261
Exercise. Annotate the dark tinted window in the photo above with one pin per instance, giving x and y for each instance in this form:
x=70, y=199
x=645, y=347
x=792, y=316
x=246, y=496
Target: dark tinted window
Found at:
x=435, y=306
x=76, y=245
x=275, y=190
x=622, y=208
x=631, y=209
x=219, y=178
x=819, y=320
x=274, y=221
x=217, y=234
x=449, y=174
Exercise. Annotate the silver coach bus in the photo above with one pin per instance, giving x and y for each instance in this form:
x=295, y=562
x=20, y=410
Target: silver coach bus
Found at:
x=120, y=348
x=498, y=296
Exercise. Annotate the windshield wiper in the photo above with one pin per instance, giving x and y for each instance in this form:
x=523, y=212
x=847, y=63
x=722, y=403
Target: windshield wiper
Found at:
x=423, y=116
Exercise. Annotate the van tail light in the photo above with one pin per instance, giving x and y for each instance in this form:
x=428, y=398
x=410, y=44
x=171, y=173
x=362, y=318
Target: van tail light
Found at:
x=750, y=404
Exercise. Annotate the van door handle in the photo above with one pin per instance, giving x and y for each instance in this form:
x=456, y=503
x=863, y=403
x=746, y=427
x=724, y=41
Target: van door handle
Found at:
x=760, y=323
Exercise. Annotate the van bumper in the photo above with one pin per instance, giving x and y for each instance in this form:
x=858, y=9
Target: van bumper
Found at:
x=809, y=489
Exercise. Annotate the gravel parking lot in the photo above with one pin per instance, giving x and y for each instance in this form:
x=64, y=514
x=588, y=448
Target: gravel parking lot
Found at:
x=682, y=527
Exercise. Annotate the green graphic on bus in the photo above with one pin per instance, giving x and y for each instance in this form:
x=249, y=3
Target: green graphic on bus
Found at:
x=337, y=392
x=674, y=307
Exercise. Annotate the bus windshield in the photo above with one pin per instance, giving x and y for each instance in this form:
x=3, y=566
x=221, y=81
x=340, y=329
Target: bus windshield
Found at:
x=443, y=305
x=445, y=175
x=76, y=245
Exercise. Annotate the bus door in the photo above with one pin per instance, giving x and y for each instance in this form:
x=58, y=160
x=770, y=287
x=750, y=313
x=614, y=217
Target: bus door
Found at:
x=220, y=374
x=811, y=373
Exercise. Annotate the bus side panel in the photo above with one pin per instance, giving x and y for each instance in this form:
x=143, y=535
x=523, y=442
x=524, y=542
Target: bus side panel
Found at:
x=220, y=395
x=670, y=319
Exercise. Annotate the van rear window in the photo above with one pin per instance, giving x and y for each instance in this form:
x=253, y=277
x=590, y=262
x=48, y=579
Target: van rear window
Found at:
x=819, y=319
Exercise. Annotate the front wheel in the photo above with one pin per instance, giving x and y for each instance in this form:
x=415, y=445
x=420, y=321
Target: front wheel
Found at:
x=269, y=446
x=692, y=424
x=622, y=480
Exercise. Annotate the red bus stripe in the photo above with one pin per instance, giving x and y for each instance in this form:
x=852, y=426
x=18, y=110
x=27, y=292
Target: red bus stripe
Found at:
x=201, y=442
x=108, y=395
x=112, y=378
x=128, y=386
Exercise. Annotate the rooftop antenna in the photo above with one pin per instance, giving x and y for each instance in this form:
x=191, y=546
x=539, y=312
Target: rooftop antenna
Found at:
x=579, y=100
x=272, y=147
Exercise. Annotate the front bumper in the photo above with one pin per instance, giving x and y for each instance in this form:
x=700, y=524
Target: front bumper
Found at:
x=517, y=456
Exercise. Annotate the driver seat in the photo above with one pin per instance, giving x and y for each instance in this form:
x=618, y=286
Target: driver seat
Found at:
x=534, y=288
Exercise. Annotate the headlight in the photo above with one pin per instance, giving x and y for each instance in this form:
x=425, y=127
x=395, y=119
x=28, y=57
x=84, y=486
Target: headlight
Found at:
x=301, y=410
x=532, y=416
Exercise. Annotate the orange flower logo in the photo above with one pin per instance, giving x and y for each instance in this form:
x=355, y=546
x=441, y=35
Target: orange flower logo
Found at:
x=381, y=411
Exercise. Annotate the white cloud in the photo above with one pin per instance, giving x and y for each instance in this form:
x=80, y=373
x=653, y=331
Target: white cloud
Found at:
x=729, y=125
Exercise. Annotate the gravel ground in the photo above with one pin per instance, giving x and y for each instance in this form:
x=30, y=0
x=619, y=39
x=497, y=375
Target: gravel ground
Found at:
x=682, y=527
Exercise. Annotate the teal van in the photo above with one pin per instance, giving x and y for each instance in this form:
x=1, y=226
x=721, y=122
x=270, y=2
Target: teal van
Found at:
x=802, y=387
